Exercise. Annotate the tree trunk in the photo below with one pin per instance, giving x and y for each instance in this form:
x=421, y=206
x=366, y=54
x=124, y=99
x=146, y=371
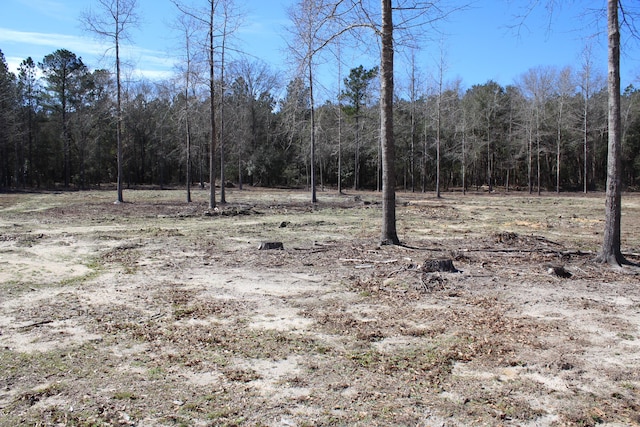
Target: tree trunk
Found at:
x=538, y=162
x=489, y=171
x=65, y=132
x=389, y=234
x=223, y=195
x=356, y=159
x=464, y=161
x=212, y=115
x=314, y=199
x=188, y=140
x=585, y=143
x=339, y=122
x=339, y=150
x=585, y=136
x=611, y=253
x=412, y=158
x=506, y=184
x=530, y=160
x=119, y=111
x=558, y=148
x=412, y=168
x=537, y=147
x=423, y=165
x=438, y=123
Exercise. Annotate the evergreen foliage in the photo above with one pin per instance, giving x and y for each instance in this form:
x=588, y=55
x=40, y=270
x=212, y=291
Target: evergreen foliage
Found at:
x=57, y=129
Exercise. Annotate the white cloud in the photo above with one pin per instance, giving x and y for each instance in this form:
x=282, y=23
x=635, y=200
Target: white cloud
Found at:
x=96, y=54
x=75, y=44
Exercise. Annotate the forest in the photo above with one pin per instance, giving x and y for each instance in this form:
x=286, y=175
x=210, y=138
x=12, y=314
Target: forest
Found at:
x=545, y=132
x=497, y=309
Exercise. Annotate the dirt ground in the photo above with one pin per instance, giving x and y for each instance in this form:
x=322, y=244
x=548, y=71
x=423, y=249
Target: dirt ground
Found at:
x=156, y=312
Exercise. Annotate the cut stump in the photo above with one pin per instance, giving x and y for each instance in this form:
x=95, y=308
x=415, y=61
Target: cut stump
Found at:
x=559, y=271
x=443, y=265
x=265, y=246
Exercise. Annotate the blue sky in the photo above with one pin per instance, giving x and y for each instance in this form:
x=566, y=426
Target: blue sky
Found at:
x=478, y=43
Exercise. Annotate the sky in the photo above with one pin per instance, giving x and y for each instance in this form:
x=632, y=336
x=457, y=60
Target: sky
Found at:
x=487, y=41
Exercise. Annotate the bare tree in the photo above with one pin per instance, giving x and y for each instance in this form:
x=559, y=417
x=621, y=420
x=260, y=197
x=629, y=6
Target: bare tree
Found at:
x=565, y=86
x=610, y=252
x=339, y=115
x=315, y=29
x=463, y=130
x=250, y=92
x=231, y=19
x=212, y=106
x=389, y=232
x=441, y=70
x=536, y=84
x=310, y=33
x=586, y=88
x=189, y=27
x=112, y=21
x=230, y=22
x=413, y=99
x=413, y=15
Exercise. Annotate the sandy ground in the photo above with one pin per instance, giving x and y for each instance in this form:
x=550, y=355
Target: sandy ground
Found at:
x=159, y=313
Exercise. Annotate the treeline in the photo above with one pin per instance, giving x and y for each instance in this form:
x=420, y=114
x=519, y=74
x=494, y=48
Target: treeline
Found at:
x=548, y=131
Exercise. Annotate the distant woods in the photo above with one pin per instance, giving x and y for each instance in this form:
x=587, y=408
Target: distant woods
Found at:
x=545, y=132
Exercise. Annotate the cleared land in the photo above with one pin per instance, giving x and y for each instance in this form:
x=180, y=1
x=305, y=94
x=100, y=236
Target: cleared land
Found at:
x=160, y=313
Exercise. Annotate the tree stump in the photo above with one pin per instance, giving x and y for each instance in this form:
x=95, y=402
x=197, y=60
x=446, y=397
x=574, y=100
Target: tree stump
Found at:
x=265, y=246
x=441, y=265
x=559, y=271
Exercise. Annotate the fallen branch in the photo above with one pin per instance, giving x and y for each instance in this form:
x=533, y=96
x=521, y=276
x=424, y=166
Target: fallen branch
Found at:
x=388, y=261
x=36, y=324
x=312, y=250
x=545, y=240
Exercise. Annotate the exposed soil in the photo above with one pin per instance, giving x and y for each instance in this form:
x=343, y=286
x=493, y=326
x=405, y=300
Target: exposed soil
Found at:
x=160, y=313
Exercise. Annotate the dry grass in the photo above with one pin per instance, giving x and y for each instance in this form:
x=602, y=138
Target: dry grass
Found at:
x=161, y=313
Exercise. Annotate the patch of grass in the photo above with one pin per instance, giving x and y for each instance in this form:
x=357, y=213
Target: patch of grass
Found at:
x=156, y=373
x=94, y=264
x=125, y=395
x=241, y=375
x=625, y=336
x=55, y=416
x=366, y=359
x=263, y=344
x=125, y=255
x=71, y=281
x=374, y=353
x=161, y=232
x=47, y=364
x=322, y=349
x=181, y=311
x=225, y=416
